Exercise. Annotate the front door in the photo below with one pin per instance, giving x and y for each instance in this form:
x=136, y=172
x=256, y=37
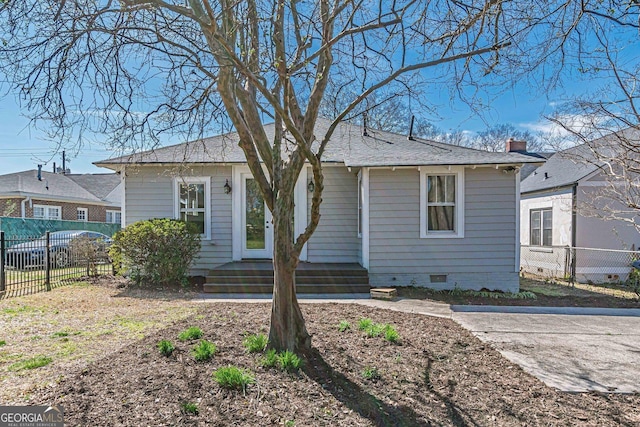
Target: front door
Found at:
x=257, y=227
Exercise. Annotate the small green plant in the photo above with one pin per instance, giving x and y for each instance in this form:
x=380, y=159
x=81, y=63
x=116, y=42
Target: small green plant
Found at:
x=374, y=330
x=60, y=334
x=289, y=361
x=270, y=359
x=364, y=324
x=2, y=342
x=390, y=334
x=344, y=326
x=33, y=363
x=165, y=347
x=204, y=351
x=370, y=373
x=189, y=408
x=189, y=334
x=255, y=343
x=232, y=377
x=289, y=423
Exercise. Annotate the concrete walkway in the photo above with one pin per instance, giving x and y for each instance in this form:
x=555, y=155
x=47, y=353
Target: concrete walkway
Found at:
x=571, y=349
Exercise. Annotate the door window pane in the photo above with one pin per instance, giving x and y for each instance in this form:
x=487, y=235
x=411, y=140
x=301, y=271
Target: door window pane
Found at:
x=255, y=216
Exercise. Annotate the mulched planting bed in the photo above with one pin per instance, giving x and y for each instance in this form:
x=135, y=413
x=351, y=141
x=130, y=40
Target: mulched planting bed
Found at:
x=437, y=374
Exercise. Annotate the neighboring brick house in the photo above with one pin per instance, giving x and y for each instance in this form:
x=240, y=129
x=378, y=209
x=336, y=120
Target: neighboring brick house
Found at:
x=75, y=197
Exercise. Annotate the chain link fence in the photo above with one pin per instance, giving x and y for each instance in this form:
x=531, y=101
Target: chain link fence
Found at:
x=36, y=264
x=586, y=265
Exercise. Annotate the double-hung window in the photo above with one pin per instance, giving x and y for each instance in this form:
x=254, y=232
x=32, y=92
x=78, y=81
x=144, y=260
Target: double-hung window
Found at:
x=192, y=203
x=114, y=217
x=47, y=212
x=541, y=227
x=442, y=202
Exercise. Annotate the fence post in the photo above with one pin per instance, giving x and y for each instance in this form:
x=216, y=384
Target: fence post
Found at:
x=573, y=265
x=47, y=261
x=3, y=277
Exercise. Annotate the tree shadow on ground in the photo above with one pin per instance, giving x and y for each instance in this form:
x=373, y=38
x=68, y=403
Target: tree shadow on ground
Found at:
x=369, y=406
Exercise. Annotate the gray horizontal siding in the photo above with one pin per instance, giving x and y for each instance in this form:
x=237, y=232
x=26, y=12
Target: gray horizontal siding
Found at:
x=149, y=194
x=488, y=246
x=336, y=238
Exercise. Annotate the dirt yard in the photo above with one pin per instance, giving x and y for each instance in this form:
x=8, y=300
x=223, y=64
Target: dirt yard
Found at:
x=547, y=294
x=106, y=368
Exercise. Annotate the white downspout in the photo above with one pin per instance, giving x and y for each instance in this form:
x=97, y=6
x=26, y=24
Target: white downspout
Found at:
x=23, y=206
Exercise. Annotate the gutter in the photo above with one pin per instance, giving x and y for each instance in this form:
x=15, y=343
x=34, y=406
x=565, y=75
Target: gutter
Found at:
x=574, y=214
x=23, y=206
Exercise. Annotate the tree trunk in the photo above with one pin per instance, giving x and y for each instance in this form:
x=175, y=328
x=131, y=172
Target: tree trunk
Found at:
x=287, y=331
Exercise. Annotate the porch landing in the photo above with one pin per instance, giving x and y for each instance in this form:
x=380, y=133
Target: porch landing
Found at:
x=256, y=277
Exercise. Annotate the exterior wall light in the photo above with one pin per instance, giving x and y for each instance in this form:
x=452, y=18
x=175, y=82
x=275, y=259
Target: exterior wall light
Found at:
x=227, y=187
x=311, y=186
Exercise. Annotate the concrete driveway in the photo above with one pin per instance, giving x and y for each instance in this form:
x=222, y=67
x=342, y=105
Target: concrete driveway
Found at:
x=570, y=349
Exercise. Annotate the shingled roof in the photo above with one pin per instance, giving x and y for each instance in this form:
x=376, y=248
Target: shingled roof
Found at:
x=85, y=188
x=347, y=146
x=569, y=166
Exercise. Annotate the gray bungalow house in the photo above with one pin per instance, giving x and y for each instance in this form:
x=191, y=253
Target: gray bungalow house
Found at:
x=406, y=211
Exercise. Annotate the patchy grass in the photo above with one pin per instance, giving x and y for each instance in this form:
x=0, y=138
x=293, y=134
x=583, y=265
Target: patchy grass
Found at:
x=31, y=363
x=73, y=324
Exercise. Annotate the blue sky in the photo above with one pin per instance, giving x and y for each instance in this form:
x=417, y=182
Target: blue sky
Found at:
x=24, y=147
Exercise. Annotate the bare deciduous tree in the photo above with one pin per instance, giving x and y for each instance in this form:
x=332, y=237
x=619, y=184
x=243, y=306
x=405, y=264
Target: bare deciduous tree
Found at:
x=138, y=70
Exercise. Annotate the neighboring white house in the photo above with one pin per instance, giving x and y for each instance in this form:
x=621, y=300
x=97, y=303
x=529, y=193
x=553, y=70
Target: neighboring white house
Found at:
x=410, y=211
x=558, y=210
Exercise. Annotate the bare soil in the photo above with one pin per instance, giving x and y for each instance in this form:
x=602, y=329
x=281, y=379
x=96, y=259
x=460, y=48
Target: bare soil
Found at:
x=548, y=294
x=437, y=374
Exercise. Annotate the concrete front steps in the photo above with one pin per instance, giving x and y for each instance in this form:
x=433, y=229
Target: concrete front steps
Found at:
x=256, y=277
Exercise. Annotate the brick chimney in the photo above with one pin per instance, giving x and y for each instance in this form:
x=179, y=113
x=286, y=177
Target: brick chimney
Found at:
x=516, y=146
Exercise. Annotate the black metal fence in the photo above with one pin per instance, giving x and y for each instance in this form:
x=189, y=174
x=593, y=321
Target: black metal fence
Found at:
x=36, y=264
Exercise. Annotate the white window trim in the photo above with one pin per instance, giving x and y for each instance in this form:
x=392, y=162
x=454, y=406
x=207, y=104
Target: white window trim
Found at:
x=207, y=200
x=541, y=210
x=113, y=214
x=46, y=211
x=86, y=214
x=458, y=172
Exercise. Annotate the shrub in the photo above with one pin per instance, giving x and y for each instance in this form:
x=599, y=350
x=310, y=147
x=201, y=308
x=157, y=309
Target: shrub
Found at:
x=158, y=251
x=390, y=334
x=370, y=373
x=270, y=359
x=88, y=252
x=204, y=350
x=165, y=347
x=289, y=361
x=344, y=326
x=192, y=333
x=255, y=343
x=364, y=324
x=232, y=377
x=189, y=408
x=2, y=342
x=33, y=363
